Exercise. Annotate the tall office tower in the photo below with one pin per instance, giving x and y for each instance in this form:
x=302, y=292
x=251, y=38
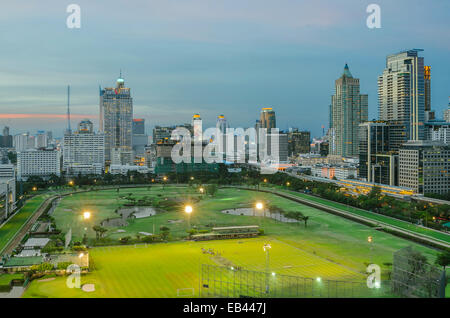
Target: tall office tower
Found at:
x=425, y=166
x=84, y=151
x=197, y=128
x=447, y=112
x=429, y=114
x=376, y=162
x=348, y=109
x=20, y=142
x=139, y=126
x=222, y=123
x=401, y=92
x=140, y=139
x=116, y=120
x=6, y=140
x=85, y=127
x=298, y=142
x=41, y=140
x=268, y=119
x=162, y=134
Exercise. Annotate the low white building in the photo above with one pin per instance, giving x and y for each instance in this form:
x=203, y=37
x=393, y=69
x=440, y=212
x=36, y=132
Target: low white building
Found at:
x=7, y=189
x=42, y=163
x=123, y=169
x=84, y=152
x=337, y=171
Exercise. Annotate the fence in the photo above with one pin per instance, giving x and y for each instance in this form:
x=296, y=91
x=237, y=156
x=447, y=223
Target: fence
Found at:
x=412, y=276
x=224, y=282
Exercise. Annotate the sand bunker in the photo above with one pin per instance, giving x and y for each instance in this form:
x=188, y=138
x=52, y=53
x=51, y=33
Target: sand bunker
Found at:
x=88, y=288
x=254, y=212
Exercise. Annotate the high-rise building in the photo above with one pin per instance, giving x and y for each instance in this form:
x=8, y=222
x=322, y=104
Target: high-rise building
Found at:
x=6, y=141
x=425, y=166
x=268, y=119
x=41, y=140
x=139, y=126
x=429, y=114
x=140, y=138
x=197, y=129
x=222, y=123
x=85, y=127
x=447, y=112
x=42, y=163
x=299, y=142
x=438, y=131
x=116, y=120
x=20, y=142
x=84, y=151
x=377, y=163
x=348, y=109
x=401, y=92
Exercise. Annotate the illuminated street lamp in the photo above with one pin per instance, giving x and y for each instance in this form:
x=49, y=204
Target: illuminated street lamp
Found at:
x=201, y=190
x=71, y=182
x=164, y=182
x=192, y=178
x=370, y=240
x=188, y=209
x=86, y=215
x=288, y=183
x=34, y=189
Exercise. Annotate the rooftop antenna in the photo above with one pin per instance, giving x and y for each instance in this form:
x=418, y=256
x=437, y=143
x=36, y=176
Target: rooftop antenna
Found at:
x=69, y=130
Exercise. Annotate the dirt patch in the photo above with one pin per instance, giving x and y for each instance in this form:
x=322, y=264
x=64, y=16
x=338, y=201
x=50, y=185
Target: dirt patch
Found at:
x=46, y=279
x=220, y=260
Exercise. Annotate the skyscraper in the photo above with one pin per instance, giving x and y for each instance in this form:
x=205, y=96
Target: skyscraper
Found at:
x=429, y=114
x=401, y=92
x=447, y=112
x=268, y=119
x=116, y=120
x=222, y=123
x=348, y=109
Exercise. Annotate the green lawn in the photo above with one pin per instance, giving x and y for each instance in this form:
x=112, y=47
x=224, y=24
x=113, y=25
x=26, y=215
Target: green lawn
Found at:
x=10, y=228
x=374, y=216
x=160, y=270
x=330, y=247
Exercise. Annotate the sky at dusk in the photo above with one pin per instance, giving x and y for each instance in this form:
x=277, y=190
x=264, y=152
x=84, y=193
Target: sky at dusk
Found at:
x=207, y=56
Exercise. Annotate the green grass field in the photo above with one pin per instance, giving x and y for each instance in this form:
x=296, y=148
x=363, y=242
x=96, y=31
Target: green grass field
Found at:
x=330, y=247
x=378, y=217
x=160, y=270
x=10, y=228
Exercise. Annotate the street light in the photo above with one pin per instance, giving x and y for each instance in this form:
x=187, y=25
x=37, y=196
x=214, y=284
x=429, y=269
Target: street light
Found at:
x=192, y=178
x=288, y=183
x=266, y=249
x=370, y=240
x=164, y=182
x=188, y=209
x=86, y=215
x=260, y=206
x=71, y=182
x=201, y=190
x=34, y=189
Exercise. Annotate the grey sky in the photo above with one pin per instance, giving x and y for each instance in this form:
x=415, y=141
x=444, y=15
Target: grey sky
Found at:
x=208, y=57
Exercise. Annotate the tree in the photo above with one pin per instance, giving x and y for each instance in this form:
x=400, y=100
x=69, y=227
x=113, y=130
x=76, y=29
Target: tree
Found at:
x=99, y=231
x=305, y=219
x=211, y=189
x=443, y=259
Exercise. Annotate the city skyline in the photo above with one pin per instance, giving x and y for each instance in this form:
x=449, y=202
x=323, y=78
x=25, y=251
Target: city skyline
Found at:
x=289, y=64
